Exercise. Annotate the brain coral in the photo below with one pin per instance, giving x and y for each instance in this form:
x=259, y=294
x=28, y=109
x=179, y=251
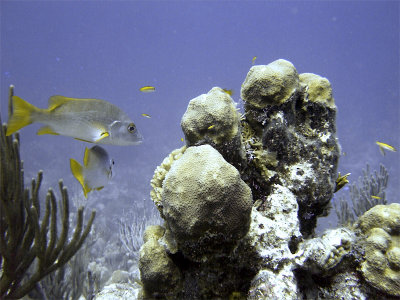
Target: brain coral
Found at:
x=210, y=117
x=205, y=203
x=381, y=228
x=270, y=84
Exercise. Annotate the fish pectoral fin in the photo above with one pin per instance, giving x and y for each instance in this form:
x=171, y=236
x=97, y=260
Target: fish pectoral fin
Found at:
x=46, y=130
x=86, y=190
x=382, y=150
x=99, y=188
x=86, y=157
x=103, y=135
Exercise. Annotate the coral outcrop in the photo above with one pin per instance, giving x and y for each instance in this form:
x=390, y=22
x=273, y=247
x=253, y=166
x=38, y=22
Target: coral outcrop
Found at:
x=290, y=135
x=206, y=204
x=380, y=229
x=213, y=119
x=241, y=202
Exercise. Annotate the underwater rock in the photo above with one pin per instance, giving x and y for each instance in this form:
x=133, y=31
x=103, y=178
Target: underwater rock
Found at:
x=159, y=274
x=272, y=84
x=159, y=176
x=119, y=291
x=205, y=203
x=344, y=285
x=213, y=119
x=380, y=240
x=223, y=244
x=274, y=235
x=322, y=254
x=290, y=137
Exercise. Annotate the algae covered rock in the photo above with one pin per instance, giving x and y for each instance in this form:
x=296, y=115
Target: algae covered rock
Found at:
x=283, y=153
x=159, y=274
x=270, y=84
x=318, y=89
x=213, y=119
x=322, y=254
x=380, y=227
x=289, y=133
x=205, y=203
x=212, y=116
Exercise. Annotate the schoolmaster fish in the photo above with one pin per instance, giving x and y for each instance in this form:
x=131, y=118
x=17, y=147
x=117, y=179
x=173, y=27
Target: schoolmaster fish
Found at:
x=96, y=170
x=89, y=120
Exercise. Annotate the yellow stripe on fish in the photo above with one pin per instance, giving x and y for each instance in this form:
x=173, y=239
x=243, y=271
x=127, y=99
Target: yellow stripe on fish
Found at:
x=147, y=89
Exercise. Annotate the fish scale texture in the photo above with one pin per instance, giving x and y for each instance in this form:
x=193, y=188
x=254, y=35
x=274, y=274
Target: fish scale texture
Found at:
x=205, y=202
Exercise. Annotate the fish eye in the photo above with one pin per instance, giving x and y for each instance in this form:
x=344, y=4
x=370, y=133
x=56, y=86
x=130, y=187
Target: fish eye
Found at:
x=131, y=127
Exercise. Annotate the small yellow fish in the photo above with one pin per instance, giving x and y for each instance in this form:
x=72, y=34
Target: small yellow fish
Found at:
x=253, y=60
x=89, y=120
x=376, y=197
x=341, y=181
x=211, y=126
x=384, y=146
x=181, y=139
x=96, y=170
x=229, y=92
x=147, y=89
x=146, y=115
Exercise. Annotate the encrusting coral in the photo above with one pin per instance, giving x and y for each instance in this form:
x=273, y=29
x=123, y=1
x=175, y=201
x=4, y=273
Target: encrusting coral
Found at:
x=24, y=236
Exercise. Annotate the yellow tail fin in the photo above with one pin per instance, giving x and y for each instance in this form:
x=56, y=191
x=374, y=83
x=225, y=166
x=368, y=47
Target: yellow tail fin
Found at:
x=21, y=116
x=77, y=171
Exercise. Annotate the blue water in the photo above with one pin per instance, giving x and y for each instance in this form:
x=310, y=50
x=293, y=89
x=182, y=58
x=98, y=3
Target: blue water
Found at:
x=108, y=50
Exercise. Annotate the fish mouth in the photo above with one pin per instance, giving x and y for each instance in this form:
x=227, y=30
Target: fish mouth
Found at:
x=138, y=140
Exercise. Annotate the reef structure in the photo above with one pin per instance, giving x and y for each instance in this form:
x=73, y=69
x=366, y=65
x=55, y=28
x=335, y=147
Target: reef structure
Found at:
x=241, y=200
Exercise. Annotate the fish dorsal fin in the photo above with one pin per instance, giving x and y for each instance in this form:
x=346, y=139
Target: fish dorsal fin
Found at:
x=46, y=130
x=77, y=171
x=57, y=101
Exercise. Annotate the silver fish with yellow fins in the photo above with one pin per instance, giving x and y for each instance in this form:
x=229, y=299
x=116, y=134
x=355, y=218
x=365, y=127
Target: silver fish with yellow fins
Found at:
x=384, y=146
x=96, y=170
x=89, y=120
